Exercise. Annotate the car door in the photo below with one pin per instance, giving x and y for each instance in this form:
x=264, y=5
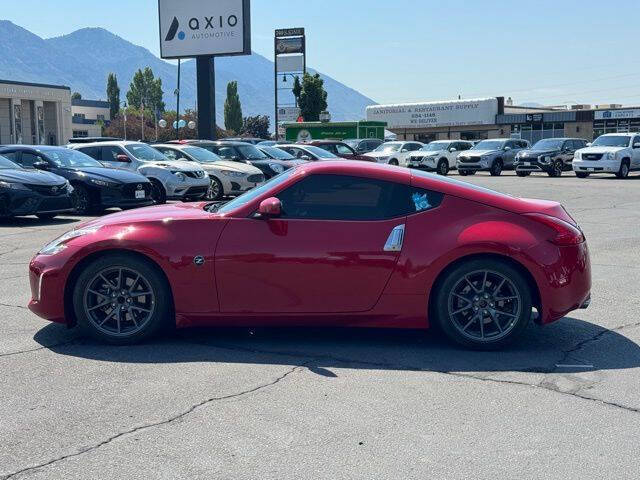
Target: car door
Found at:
x=329, y=252
x=567, y=152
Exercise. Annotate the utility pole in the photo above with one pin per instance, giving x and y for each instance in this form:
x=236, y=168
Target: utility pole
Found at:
x=177, y=92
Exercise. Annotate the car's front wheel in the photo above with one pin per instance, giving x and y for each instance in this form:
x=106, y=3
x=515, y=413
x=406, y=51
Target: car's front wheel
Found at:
x=215, y=191
x=483, y=304
x=556, y=169
x=121, y=299
x=623, y=172
x=393, y=161
x=496, y=168
x=158, y=193
x=82, y=200
x=443, y=167
x=582, y=174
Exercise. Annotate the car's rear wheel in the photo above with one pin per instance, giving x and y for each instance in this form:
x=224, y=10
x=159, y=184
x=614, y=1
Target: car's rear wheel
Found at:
x=623, y=172
x=393, y=161
x=483, y=304
x=582, y=174
x=121, y=299
x=158, y=193
x=521, y=173
x=496, y=168
x=443, y=167
x=464, y=173
x=215, y=191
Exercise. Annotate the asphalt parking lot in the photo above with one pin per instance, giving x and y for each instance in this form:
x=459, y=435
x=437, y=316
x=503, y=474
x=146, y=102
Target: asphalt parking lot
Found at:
x=289, y=404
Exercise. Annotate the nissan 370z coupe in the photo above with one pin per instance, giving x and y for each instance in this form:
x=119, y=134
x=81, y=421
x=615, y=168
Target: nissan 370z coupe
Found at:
x=340, y=243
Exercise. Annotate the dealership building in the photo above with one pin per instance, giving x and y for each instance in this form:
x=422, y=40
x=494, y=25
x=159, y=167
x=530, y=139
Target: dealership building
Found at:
x=477, y=119
x=34, y=113
x=88, y=116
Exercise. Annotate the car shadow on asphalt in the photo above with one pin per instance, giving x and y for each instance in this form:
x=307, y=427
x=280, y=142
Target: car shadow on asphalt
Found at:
x=34, y=221
x=569, y=345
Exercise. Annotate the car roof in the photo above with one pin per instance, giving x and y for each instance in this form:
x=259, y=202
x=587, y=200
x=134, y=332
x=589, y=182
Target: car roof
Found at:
x=620, y=134
x=121, y=143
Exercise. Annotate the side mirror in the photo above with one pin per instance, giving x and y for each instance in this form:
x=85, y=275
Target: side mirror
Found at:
x=453, y=149
x=404, y=150
x=305, y=157
x=41, y=165
x=588, y=144
x=270, y=208
x=506, y=149
x=636, y=145
x=123, y=158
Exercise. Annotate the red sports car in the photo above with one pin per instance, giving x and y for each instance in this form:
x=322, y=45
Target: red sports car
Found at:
x=328, y=243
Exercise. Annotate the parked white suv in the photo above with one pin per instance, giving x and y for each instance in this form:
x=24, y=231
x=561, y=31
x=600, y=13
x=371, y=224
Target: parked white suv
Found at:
x=439, y=156
x=171, y=179
x=394, y=153
x=617, y=153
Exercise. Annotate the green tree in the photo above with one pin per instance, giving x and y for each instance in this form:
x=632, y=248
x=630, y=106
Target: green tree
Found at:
x=76, y=96
x=313, y=97
x=146, y=89
x=297, y=89
x=113, y=95
x=233, y=108
x=257, y=126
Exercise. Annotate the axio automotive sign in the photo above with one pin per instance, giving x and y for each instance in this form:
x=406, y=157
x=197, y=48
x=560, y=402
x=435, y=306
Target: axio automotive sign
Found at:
x=480, y=111
x=190, y=28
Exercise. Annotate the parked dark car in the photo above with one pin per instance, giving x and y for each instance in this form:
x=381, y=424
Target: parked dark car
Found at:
x=92, y=139
x=550, y=155
x=243, y=152
x=95, y=187
x=363, y=145
x=340, y=149
x=251, y=140
x=30, y=192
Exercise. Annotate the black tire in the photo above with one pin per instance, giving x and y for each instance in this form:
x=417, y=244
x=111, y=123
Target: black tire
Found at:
x=464, y=173
x=443, y=167
x=46, y=216
x=393, y=161
x=582, y=174
x=521, y=173
x=513, y=324
x=158, y=193
x=82, y=200
x=160, y=305
x=215, y=192
x=624, y=169
x=496, y=168
x=556, y=169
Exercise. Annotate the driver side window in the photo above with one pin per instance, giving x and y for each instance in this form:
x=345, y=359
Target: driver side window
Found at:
x=27, y=159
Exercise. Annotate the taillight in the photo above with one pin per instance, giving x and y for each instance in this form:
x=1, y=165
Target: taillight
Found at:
x=565, y=233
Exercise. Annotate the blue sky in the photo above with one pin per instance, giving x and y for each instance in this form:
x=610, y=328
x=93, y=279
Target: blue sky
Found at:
x=541, y=51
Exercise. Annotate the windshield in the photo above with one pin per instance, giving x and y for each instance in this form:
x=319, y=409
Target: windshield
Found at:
x=5, y=163
x=145, y=153
x=490, y=145
x=612, y=141
x=320, y=152
x=388, y=147
x=201, y=155
x=66, y=158
x=250, y=152
x=548, y=144
x=256, y=192
x=435, y=147
x=277, y=153
x=352, y=142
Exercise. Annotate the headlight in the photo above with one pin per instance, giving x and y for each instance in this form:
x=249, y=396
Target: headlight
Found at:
x=60, y=243
x=577, y=156
x=231, y=173
x=276, y=167
x=180, y=176
x=611, y=155
x=544, y=159
x=12, y=186
x=101, y=183
x=68, y=186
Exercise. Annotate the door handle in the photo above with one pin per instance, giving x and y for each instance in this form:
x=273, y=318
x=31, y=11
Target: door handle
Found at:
x=395, y=239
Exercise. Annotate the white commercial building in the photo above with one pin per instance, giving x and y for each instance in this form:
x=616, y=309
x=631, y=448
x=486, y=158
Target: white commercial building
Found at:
x=33, y=113
x=89, y=116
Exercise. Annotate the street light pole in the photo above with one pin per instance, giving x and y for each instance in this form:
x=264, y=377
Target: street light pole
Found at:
x=124, y=104
x=177, y=92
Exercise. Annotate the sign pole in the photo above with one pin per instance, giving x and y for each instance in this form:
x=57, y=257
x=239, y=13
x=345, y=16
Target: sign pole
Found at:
x=206, y=79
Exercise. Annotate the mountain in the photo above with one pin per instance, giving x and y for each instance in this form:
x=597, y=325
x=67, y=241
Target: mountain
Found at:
x=84, y=58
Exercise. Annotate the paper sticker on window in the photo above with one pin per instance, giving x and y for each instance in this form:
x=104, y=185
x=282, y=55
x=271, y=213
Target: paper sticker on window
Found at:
x=420, y=201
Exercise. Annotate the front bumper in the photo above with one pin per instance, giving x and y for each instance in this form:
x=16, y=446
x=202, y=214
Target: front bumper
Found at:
x=473, y=165
x=238, y=185
x=190, y=188
x=595, y=166
x=15, y=203
x=532, y=165
x=427, y=164
x=126, y=196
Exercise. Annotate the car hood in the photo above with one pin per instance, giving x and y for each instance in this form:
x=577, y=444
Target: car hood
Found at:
x=601, y=149
x=110, y=174
x=535, y=153
x=479, y=153
x=177, y=165
x=424, y=153
x=159, y=213
x=230, y=165
x=379, y=154
x=31, y=177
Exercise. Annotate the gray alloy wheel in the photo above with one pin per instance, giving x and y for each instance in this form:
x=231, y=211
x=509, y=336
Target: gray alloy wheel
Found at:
x=624, y=169
x=484, y=304
x=443, y=167
x=393, y=161
x=158, y=193
x=215, y=191
x=81, y=200
x=121, y=299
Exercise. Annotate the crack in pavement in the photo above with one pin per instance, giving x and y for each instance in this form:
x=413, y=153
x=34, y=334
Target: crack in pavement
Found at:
x=166, y=421
x=35, y=349
x=13, y=306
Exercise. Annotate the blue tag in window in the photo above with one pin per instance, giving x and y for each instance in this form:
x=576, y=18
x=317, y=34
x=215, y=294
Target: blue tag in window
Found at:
x=421, y=201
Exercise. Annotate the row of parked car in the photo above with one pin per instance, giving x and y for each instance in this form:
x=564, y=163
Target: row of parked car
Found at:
x=616, y=153
x=87, y=178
